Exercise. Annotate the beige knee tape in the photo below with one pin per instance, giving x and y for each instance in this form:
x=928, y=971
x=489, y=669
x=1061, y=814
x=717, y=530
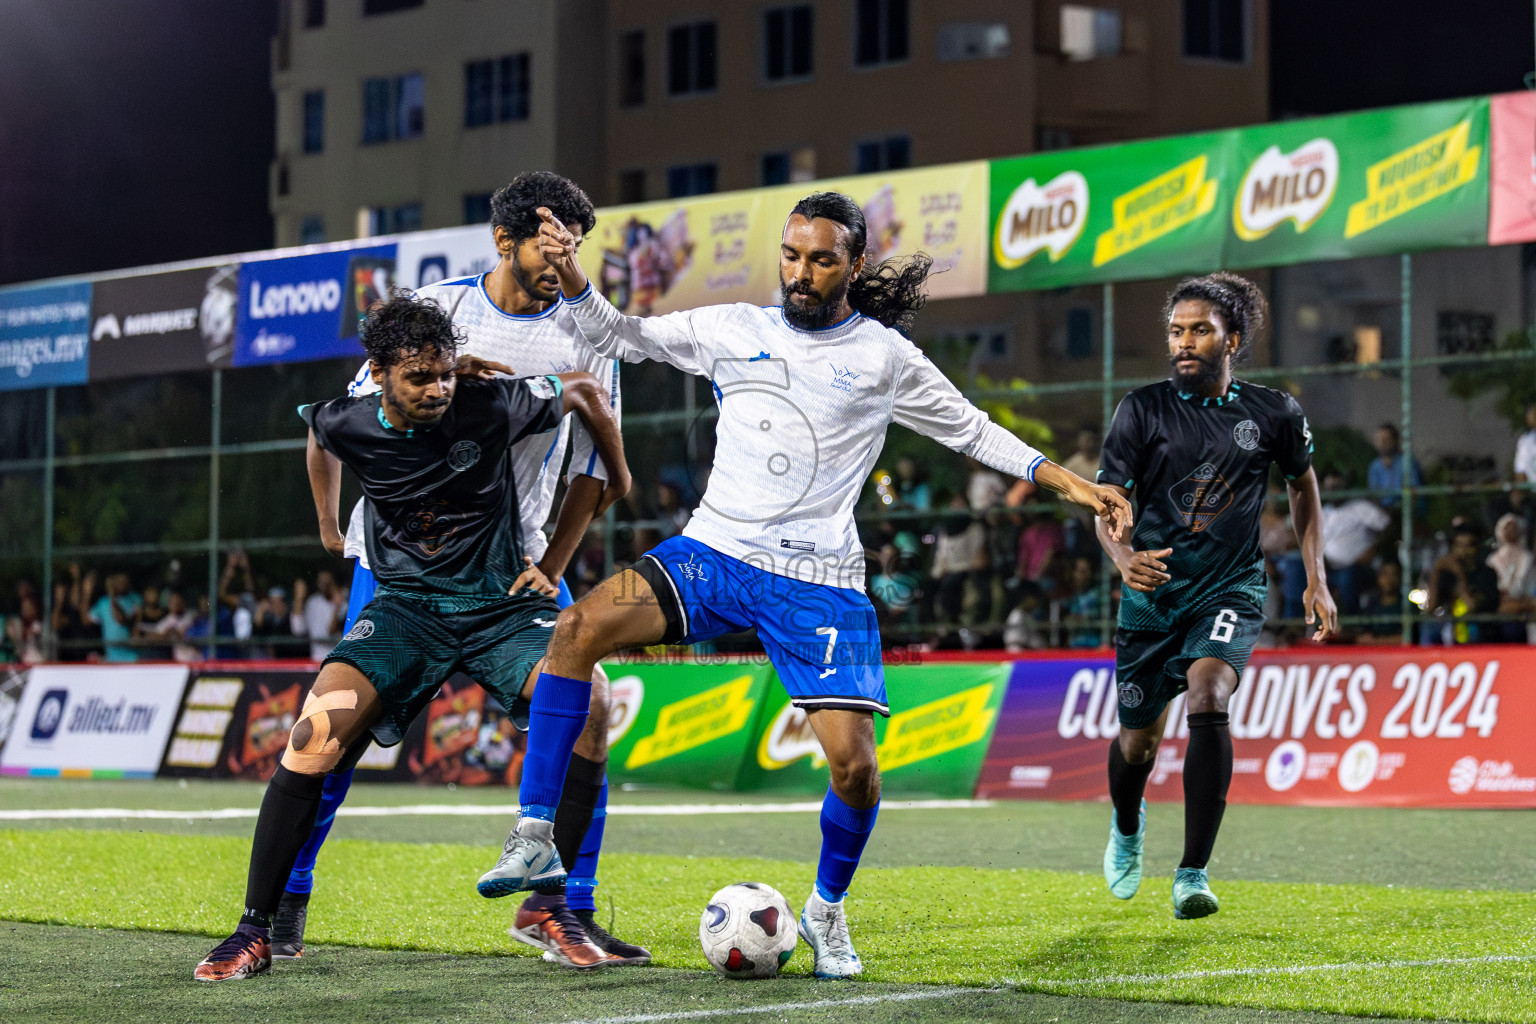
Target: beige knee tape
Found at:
x=322, y=752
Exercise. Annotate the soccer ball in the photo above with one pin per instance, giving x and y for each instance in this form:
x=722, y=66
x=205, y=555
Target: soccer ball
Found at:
x=748, y=931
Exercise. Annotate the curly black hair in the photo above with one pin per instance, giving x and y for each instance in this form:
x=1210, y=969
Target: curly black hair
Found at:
x=403, y=326
x=1239, y=302
x=513, y=205
x=890, y=293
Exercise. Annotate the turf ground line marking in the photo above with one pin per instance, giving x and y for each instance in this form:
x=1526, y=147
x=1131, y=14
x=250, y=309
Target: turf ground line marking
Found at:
x=820, y=1004
x=471, y=810
x=1244, y=972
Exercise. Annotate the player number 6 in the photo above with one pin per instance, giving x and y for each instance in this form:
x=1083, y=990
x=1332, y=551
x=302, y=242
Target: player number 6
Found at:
x=1226, y=622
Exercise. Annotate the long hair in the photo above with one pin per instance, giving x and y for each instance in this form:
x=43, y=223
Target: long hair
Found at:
x=1240, y=303
x=890, y=293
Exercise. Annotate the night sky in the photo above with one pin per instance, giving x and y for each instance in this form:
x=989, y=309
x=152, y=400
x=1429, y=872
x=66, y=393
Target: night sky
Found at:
x=140, y=131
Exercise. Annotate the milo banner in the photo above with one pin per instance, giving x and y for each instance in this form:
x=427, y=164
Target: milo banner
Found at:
x=1381, y=181
x=1416, y=727
x=1111, y=213
x=683, y=724
x=933, y=744
x=683, y=253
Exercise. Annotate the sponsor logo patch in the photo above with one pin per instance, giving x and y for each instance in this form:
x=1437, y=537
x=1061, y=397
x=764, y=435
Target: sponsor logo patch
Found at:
x=463, y=455
x=1285, y=766
x=361, y=631
x=1246, y=434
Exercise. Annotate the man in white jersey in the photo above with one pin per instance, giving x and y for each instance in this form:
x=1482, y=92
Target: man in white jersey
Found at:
x=806, y=392
x=514, y=318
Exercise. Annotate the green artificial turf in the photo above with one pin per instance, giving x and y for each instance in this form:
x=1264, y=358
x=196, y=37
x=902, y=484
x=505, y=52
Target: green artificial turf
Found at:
x=1281, y=946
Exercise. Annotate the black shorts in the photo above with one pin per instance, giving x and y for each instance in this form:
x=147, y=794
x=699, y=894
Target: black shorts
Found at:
x=407, y=647
x=1152, y=667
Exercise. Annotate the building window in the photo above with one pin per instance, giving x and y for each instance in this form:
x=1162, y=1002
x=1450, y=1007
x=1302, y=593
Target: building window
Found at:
x=690, y=180
x=496, y=90
x=775, y=169
x=632, y=186
x=314, y=13
x=787, y=42
x=477, y=208
x=388, y=6
x=890, y=154
x=1079, y=332
x=312, y=230
x=691, y=58
x=1215, y=30
x=973, y=40
x=391, y=220
x=393, y=108
x=632, y=69
x=1089, y=32
x=314, y=121
x=880, y=34
x=282, y=176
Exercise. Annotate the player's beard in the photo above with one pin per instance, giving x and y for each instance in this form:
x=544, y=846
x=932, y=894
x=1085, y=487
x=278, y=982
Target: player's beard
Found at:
x=531, y=284
x=434, y=413
x=1208, y=373
x=815, y=317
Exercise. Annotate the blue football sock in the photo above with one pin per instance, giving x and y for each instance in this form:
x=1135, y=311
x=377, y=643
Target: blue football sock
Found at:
x=302, y=878
x=556, y=717
x=844, y=831
x=582, y=881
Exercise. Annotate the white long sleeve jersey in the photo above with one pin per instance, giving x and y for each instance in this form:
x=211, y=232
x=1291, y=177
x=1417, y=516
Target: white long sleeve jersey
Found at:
x=803, y=416
x=547, y=342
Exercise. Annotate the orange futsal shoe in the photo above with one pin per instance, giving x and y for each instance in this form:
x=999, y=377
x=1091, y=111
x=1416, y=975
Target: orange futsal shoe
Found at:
x=546, y=923
x=244, y=954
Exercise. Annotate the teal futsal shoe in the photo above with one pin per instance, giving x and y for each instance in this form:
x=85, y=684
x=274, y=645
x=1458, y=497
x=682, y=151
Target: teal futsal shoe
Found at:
x=1192, y=896
x=1122, y=857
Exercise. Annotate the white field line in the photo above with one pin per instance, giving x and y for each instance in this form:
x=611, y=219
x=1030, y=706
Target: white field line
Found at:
x=820, y=1004
x=470, y=810
x=1249, y=972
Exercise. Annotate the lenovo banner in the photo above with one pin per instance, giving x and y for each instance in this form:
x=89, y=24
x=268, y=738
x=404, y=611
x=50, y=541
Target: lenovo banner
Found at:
x=1416, y=727
x=308, y=307
x=93, y=720
x=163, y=323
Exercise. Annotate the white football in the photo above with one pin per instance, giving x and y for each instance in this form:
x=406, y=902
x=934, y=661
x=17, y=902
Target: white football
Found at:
x=748, y=931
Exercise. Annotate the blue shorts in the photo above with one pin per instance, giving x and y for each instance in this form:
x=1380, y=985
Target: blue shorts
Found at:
x=823, y=641
x=364, y=585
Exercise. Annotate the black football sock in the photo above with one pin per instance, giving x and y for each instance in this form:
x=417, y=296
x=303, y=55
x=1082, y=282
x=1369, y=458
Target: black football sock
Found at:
x=1207, y=775
x=287, y=817
x=573, y=816
x=1127, y=783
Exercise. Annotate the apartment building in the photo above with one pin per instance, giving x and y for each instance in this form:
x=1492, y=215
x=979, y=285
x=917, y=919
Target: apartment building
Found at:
x=395, y=115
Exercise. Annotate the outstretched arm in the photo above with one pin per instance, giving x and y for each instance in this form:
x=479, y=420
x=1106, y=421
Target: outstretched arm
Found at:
x=668, y=339
x=325, y=487
x=1307, y=515
x=929, y=403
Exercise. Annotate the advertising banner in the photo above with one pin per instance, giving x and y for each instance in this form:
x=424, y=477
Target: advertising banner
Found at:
x=427, y=257
x=107, y=721
x=1379, y=181
x=307, y=307
x=164, y=323
x=1512, y=175
x=679, y=254
x=1111, y=213
x=44, y=336
x=683, y=724
x=1417, y=727
x=933, y=744
x=235, y=725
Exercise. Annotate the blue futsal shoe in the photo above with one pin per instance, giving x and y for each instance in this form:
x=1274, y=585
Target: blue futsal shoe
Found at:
x=1192, y=896
x=1122, y=857
x=528, y=861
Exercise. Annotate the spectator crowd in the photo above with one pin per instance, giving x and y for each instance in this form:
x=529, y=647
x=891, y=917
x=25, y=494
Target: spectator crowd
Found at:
x=989, y=563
